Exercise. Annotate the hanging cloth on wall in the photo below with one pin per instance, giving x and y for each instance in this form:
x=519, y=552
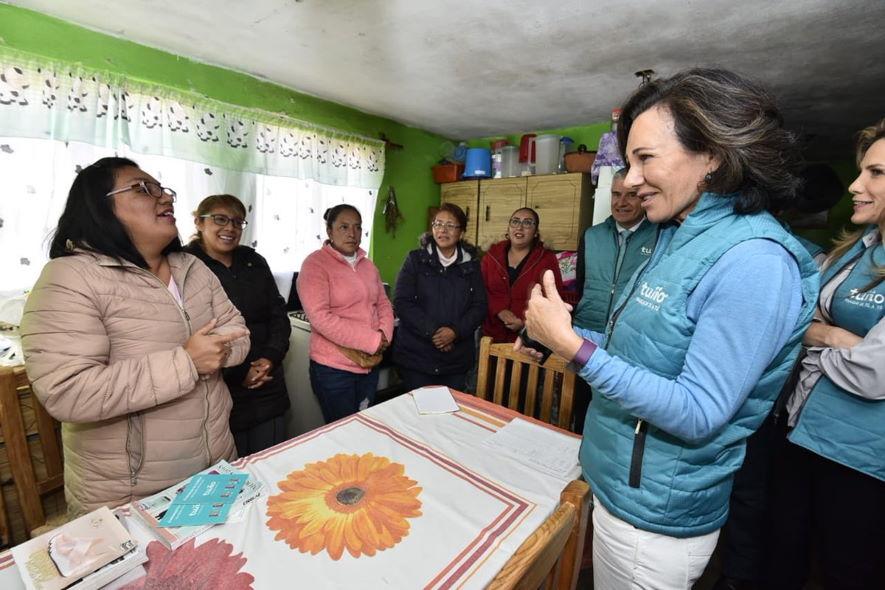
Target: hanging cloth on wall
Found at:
x=50, y=100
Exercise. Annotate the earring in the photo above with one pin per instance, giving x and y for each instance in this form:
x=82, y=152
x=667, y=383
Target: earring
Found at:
x=708, y=177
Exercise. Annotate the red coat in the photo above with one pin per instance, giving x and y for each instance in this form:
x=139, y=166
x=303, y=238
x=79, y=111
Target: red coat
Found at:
x=502, y=295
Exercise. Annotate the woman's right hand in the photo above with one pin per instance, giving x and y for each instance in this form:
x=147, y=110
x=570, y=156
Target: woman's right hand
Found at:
x=209, y=351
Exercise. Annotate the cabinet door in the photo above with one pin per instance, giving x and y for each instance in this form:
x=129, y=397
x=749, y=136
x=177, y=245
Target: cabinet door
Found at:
x=498, y=199
x=564, y=204
x=465, y=195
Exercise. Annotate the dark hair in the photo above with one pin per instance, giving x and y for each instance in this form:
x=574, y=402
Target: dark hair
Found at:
x=456, y=212
x=88, y=221
x=726, y=115
x=332, y=213
x=214, y=201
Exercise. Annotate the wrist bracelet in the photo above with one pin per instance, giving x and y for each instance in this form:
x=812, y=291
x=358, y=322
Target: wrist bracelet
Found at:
x=582, y=357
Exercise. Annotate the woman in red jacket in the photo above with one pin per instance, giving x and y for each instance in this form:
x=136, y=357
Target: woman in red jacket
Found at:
x=509, y=271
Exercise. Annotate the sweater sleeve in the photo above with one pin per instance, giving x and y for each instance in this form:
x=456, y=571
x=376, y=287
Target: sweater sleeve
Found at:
x=859, y=370
x=745, y=308
x=67, y=348
x=411, y=314
x=315, y=291
x=385, y=310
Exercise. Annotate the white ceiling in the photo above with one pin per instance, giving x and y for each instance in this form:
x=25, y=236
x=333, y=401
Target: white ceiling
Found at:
x=469, y=69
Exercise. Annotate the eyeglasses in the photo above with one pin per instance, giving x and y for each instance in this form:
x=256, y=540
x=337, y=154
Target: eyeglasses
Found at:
x=223, y=220
x=446, y=226
x=154, y=189
x=516, y=222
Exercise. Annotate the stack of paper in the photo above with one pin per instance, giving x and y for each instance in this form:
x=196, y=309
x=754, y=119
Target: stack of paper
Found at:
x=186, y=523
x=434, y=400
x=538, y=447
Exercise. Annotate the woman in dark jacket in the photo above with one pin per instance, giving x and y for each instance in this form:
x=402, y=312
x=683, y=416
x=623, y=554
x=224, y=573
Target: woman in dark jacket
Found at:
x=440, y=301
x=257, y=386
x=510, y=270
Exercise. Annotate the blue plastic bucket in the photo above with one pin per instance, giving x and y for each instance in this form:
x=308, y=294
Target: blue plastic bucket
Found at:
x=478, y=163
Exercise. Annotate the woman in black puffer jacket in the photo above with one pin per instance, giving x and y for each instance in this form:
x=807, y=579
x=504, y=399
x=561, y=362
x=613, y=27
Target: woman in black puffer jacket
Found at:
x=257, y=386
x=440, y=302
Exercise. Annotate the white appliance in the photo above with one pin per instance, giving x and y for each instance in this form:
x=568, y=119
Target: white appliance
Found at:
x=305, y=414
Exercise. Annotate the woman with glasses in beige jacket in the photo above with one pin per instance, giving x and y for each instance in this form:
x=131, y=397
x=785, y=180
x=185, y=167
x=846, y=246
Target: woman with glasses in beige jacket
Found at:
x=124, y=336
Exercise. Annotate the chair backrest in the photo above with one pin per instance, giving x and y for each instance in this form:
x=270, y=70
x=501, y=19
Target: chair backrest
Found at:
x=30, y=484
x=551, y=557
x=517, y=379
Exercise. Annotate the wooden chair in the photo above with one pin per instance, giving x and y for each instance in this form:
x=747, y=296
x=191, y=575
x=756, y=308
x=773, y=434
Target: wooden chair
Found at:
x=508, y=394
x=30, y=487
x=551, y=557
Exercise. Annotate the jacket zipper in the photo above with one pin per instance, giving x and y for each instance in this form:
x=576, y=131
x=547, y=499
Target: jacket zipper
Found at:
x=133, y=473
x=639, y=434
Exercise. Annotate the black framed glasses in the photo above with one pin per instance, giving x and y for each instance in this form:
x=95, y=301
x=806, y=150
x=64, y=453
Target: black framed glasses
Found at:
x=526, y=223
x=448, y=226
x=223, y=220
x=153, y=189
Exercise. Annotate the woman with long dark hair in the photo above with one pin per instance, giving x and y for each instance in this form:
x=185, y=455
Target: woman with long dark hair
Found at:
x=124, y=338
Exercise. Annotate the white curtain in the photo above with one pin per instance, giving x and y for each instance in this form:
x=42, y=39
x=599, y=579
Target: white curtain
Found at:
x=56, y=118
x=285, y=214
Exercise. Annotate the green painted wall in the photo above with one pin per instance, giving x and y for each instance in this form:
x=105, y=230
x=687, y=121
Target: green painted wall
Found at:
x=408, y=170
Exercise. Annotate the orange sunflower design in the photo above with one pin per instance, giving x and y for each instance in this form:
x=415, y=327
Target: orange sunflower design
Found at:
x=354, y=502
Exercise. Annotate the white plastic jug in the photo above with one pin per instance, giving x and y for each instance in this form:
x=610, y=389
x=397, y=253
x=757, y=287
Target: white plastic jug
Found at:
x=547, y=154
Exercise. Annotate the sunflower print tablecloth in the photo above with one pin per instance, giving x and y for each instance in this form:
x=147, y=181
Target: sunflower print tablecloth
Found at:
x=385, y=498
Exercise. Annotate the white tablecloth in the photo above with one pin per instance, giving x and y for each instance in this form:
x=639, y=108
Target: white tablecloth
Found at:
x=386, y=498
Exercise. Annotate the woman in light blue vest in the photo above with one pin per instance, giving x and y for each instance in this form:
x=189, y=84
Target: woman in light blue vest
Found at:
x=832, y=476
x=703, y=337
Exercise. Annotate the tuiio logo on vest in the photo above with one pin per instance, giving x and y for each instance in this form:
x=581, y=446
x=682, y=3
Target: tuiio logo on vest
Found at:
x=868, y=299
x=645, y=251
x=651, y=297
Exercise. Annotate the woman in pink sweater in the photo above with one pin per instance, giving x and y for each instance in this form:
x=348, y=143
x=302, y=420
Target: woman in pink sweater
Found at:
x=351, y=318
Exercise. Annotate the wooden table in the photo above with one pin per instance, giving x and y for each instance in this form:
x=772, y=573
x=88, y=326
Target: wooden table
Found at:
x=384, y=498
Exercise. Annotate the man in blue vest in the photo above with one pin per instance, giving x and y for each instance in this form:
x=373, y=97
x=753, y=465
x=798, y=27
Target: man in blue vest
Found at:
x=609, y=254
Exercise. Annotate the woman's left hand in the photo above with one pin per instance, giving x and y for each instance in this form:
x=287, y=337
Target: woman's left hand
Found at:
x=259, y=374
x=549, y=321
x=443, y=338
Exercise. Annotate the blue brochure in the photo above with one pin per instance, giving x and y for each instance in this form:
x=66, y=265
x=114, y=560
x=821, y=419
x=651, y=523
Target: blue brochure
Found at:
x=206, y=499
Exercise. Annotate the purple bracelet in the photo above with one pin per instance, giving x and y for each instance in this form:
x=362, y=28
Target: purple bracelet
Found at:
x=582, y=357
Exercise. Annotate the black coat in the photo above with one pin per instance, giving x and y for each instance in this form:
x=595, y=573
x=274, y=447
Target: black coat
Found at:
x=430, y=296
x=251, y=288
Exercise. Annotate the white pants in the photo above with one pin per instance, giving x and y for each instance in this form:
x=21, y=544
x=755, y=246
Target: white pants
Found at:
x=627, y=558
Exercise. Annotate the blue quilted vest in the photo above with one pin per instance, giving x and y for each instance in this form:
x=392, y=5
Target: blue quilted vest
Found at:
x=834, y=423
x=602, y=287
x=643, y=475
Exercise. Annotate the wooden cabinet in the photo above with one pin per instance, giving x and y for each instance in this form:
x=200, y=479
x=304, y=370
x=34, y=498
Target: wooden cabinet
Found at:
x=464, y=194
x=498, y=199
x=564, y=203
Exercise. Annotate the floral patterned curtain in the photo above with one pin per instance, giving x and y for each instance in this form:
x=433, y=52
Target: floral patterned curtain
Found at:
x=63, y=102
